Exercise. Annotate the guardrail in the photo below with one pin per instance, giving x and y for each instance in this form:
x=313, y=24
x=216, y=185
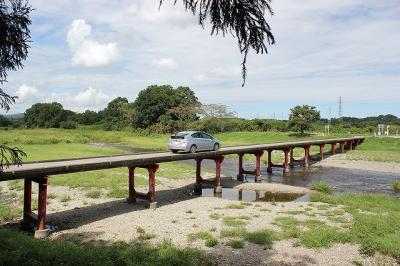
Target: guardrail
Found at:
x=40, y=171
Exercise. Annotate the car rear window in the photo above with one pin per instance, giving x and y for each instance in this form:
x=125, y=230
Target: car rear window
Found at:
x=179, y=136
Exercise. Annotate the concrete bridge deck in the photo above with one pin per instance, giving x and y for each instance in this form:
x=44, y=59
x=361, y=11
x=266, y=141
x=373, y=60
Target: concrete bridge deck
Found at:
x=40, y=171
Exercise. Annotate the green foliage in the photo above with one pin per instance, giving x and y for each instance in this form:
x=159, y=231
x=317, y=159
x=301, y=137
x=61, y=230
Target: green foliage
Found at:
x=235, y=243
x=233, y=232
x=301, y=117
x=114, y=114
x=47, y=115
x=396, y=185
x=376, y=220
x=20, y=249
x=155, y=101
x=4, y=121
x=68, y=124
x=261, y=237
x=8, y=212
x=209, y=239
x=234, y=221
x=322, y=187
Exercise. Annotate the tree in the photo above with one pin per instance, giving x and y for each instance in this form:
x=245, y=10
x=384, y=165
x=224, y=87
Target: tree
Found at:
x=14, y=39
x=48, y=115
x=155, y=101
x=114, y=114
x=245, y=20
x=301, y=117
x=217, y=110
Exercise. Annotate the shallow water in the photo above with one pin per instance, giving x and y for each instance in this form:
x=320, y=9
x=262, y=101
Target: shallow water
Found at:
x=343, y=180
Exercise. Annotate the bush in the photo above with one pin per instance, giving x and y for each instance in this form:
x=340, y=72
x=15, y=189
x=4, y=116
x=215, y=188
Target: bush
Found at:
x=322, y=187
x=396, y=185
x=68, y=124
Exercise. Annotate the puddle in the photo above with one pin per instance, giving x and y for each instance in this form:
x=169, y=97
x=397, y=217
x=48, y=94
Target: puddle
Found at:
x=251, y=195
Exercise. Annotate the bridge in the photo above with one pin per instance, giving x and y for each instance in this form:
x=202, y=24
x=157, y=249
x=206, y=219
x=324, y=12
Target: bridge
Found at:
x=39, y=171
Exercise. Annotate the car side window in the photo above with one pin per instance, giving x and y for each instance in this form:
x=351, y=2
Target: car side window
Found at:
x=206, y=136
x=196, y=135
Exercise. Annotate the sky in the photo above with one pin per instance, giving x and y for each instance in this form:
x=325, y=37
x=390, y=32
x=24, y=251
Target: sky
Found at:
x=85, y=53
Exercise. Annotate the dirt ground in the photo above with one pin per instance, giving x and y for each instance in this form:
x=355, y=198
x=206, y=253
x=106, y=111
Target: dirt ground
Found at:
x=180, y=213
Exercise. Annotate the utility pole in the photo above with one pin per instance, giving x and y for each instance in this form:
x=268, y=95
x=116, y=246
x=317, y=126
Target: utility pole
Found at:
x=340, y=108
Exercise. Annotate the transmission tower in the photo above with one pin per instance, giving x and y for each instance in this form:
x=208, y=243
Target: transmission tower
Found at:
x=340, y=107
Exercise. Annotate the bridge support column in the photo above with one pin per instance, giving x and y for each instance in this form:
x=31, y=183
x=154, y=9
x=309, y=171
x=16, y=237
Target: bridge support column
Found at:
x=31, y=220
x=350, y=144
x=303, y=160
x=215, y=181
x=341, y=146
x=333, y=148
x=321, y=151
x=284, y=165
x=150, y=196
x=256, y=172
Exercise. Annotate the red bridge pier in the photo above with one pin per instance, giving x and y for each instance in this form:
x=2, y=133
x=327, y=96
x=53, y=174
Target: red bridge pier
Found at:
x=284, y=165
x=215, y=181
x=256, y=172
x=150, y=196
x=30, y=220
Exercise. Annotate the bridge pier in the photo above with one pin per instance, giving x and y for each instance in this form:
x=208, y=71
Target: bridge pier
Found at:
x=31, y=220
x=284, y=165
x=350, y=145
x=150, y=196
x=333, y=148
x=321, y=151
x=256, y=172
x=215, y=181
x=303, y=160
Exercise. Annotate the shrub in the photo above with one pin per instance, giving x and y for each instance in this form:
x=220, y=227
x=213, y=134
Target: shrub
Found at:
x=235, y=244
x=396, y=185
x=261, y=237
x=68, y=124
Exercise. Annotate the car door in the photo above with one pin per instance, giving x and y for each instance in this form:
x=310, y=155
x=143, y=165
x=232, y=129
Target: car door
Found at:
x=198, y=141
x=208, y=141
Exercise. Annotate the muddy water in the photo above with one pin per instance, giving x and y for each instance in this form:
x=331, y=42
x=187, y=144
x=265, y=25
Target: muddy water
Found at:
x=343, y=180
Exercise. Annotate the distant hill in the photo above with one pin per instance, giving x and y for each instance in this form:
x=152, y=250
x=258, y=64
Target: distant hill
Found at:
x=15, y=116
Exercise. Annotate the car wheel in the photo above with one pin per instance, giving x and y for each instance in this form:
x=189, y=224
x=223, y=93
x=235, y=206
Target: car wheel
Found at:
x=193, y=149
x=174, y=151
x=216, y=146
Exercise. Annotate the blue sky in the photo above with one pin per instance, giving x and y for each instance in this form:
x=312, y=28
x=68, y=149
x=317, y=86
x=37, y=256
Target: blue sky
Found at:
x=85, y=53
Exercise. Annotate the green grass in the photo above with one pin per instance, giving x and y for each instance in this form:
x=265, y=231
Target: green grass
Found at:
x=234, y=221
x=65, y=198
x=312, y=233
x=396, y=185
x=20, y=249
x=261, y=237
x=377, y=149
x=322, y=187
x=235, y=206
x=376, y=220
x=94, y=194
x=233, y=232
x=9, y=212
x=215, y=216
x=143, y=235
x=235, y=243
x=209, y=239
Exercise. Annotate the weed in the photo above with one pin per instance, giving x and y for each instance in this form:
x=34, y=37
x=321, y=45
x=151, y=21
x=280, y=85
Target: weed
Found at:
x=234, y=221
x=235, y=243
x=215, y=216
x=93, y=194
x=51, y=195
x=235, y=206
x=261, y=237
x=236, y=232
x=322, y=187
x=209, y=239
x=65, y=198
x=396, y=185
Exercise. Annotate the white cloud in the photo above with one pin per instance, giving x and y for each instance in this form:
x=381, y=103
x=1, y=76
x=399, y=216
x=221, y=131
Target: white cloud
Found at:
x=168, y=63
x=87, y=52
x=90, y=97
x=27, y=93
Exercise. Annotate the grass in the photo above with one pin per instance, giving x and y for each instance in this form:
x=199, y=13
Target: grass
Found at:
x=93, y=194
x=235, y=206
x=143, y=235
x=312, y=233
x=233, y=232
x=235, y=243
x=234, y=221
x=215, y=216
x=322, y=187
x=9, y=212
x=209, y=239
x=65, y=198
x=396, y=186
x=376, y=220
x=20, y=249
x=261, y=237
x=377, y=149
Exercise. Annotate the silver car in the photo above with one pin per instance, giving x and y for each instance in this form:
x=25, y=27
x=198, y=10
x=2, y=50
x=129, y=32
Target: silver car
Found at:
x=193, y=141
